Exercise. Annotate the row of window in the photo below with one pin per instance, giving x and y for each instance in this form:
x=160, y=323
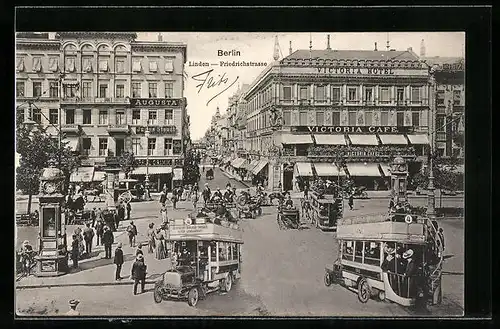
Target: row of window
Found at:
x=227, y=251
x=103, y=118
x=352, y=94
x=457, y=97
x=72, y=90
x=89, y=65
x=364, y=118
x=366, y=252
x=170, y=146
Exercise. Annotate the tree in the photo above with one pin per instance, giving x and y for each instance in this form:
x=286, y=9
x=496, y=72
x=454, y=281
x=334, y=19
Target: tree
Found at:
x=127, y=163
x=38, y=150
x=444, y=172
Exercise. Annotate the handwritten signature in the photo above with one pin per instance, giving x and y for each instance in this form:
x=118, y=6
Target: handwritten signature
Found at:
x=208, y=82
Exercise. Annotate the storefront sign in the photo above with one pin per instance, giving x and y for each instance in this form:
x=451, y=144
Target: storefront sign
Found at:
x=155, y=102
x=195, y=228
x=154, y=162
x=354, y=129
x=356, y=70
x=157, y=130
x=361, y=151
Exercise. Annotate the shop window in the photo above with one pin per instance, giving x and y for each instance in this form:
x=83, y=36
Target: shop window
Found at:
x=347, y=250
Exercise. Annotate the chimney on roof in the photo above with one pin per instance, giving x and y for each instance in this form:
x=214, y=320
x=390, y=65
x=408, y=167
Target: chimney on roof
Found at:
x=409, y=49
x=290, y=49
x=276, y=54
x=422, y=48
x=328, y=42
x=160, y=37
x=375, y=47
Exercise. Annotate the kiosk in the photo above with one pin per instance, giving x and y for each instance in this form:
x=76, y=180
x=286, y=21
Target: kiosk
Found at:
x=52, y=259
x=399, y=179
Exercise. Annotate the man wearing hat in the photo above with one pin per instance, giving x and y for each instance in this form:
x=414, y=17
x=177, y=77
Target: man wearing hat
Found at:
x=107, y=240
x=118, y=261
x=72, y=308
x=139, y=273
x=410, y=271
x=218, y=193
x=132, y=232
x=206, y=193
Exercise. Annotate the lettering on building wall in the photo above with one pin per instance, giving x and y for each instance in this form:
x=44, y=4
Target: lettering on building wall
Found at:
x=354, y=129
x=154, y=102
x=356, y=70
x=157, y=130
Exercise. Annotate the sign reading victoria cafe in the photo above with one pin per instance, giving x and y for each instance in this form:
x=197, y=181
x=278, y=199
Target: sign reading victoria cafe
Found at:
x=354, y=129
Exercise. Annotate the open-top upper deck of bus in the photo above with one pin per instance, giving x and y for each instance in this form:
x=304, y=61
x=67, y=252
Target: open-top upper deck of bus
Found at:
x=205, y=230
x=381, y=228
x=326, y=198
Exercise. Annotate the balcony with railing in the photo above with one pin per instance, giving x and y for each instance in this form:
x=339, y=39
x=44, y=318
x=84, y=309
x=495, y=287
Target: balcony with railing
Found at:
x=94, y=100
x=71, y=128
x=118, y=129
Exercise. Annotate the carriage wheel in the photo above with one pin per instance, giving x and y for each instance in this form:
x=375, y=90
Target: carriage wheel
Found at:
x=193, y=296
x=363, y=291
x=328, y=279
x=157, y=292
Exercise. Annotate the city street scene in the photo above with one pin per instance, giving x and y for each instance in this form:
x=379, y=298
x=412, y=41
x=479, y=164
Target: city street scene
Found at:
x=239, y=174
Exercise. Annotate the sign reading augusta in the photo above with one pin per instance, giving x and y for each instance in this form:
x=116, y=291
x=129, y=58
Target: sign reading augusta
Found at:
x=354, y=129
x=155, y=102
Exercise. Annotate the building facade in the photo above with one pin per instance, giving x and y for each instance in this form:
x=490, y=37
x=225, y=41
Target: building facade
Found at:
x=448, y=103
x=108, y=93
x=336, y=113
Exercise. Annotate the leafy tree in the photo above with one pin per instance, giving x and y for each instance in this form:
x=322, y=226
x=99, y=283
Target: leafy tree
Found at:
x=38, y=150
x=127, y=163
x=444, y=172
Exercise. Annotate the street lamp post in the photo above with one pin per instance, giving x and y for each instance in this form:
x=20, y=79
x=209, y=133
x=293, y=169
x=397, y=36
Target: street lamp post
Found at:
x=431, y=198
x=146, y=181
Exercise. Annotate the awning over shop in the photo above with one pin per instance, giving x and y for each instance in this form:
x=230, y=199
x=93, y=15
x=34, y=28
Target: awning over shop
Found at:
x=82, y=174
x=418, y=139
x=330, y=139
x=259, y=166
x=247, y=166
x=177, y=174
x=253, y=164
x=151, y=170
x=237, y=163
x=386, y=169
x=99, y=176
x=328, y=169
x=393, y=139
x=363, y=139
x=296, y=139
x=304, y=169
x=361, y=169
x=73, y=143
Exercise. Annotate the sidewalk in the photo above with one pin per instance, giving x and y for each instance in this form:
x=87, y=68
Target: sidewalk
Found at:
x=98, y=271
x=231, y=176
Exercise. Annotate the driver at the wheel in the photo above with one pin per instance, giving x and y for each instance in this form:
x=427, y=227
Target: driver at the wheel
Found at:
x=289, y=202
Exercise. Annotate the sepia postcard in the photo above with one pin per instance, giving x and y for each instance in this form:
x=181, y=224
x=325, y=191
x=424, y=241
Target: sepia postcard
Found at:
x=228, y=174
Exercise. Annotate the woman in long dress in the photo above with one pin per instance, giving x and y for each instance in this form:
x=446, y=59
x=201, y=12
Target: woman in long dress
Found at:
x=151, y=238
x=160, y=245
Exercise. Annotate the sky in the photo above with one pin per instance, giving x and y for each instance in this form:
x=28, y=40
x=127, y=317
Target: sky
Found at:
x=258, y=47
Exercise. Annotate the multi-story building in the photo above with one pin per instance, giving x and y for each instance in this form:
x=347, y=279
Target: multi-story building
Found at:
x=336, y=113
x=448, y=103
x=108, y=93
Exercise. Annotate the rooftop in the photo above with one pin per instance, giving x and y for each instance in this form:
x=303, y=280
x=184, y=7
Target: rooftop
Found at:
x=352, y=54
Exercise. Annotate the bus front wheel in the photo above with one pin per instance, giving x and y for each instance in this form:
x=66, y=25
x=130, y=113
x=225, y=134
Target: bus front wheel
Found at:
x=328, y=279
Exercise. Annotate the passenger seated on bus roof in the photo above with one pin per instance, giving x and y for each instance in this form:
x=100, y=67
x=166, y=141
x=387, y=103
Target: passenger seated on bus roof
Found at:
x=289, y=202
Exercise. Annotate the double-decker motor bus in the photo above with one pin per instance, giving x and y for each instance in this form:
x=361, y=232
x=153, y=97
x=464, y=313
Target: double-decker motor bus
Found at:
x=208, y=259
x=326, y=210
x=397, y=257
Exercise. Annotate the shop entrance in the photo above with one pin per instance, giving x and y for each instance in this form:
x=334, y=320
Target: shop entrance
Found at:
x=288, y=178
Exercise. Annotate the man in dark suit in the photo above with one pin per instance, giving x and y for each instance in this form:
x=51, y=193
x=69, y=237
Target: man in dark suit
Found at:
x=118, y=261
x=139, y=273
x=107, y=240
x=88, y=236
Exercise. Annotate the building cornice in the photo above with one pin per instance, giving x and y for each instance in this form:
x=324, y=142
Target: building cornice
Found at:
x=128, y=36
x=34, y=44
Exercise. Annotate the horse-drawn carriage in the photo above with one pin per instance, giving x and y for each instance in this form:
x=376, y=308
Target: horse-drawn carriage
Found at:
x=248, y=206
x=288, y=218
